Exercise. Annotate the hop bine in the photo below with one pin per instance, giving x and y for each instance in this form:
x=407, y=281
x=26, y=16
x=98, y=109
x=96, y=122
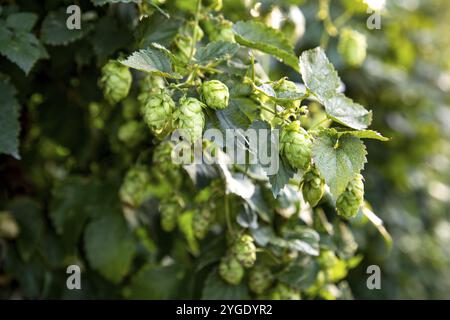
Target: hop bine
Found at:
x=115, y=81
x=349, y=202
x=215, y=94
x=296, y=145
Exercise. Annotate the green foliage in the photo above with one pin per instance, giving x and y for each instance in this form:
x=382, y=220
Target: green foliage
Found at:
x=103, y=191
x=9, y=122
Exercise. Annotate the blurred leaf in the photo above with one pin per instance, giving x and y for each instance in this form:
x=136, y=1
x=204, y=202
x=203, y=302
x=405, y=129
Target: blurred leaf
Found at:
x=29, y=217
x=54, y=30
x=187, y=229
x=153, y=282
x=108, y=37
x=21, y=21
x=109, y=246
x=21, y=47
x=217, y=289
x=156, y=28
x=9, y=121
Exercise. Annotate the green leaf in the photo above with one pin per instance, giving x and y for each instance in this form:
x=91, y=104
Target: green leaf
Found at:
x=338, y=160
x=318, y=74
x=301, y=275
x=217, y=289
x=21, y=47
x=109, y=246
x=9, y=120
x=103, y=2
x=31, y=224
x=216, y=51
x=21, y=21
x=305, y=241
x=286, y=96
x=365, y=134
x=257, y=35
x=348, y=113
x=154, y=282
x=156, y=28
x=108, y=37
x=151, y=60
x=187, y=229
x=54, y=30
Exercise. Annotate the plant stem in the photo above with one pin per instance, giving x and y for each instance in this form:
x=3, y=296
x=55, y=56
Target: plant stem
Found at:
x=194, y=40
x=227, y=215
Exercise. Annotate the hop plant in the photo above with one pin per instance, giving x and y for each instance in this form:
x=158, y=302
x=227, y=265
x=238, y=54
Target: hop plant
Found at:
x=115, y=81
x=190, y=118
x=313, y=187
x=157, y=111
x=149, y=85
x=349, y=202
x=135, y=187
x=245, y=251
x=285, y=292
x=131, y=133
x=296, y=145
x=167, y=169
x=201, y=222
x=231, y=270
x=169, y=209
x=215, y=94
x=219, y=29
x=260, y=279
x=283, y=87
x=352, y=46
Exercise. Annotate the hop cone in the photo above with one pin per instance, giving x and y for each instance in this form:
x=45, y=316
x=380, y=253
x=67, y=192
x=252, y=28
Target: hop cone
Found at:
x=283, y=87
x=157, y=111
x=296, y=145
x=245, y=251
x=169, y=209
x=352, y=46
x=190, y=118
x=162, y=159
x=219, y=29
x=285, y=292
x=131, y=133
x=215, y=94
x=201, y=222
x=115, y=81
x=313, y=187
x=231, y=270
x=135, y=187
x=260, y=279
x=349, y=202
